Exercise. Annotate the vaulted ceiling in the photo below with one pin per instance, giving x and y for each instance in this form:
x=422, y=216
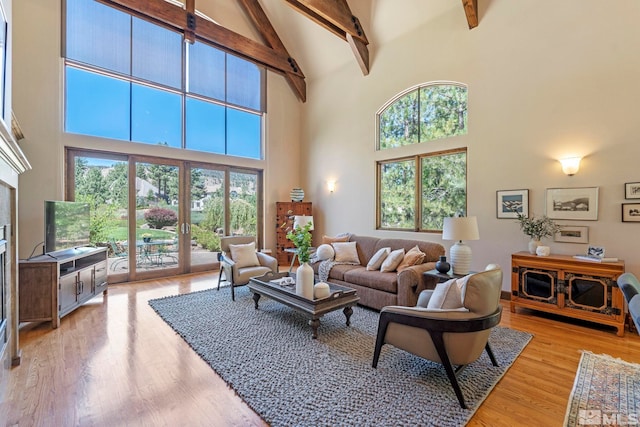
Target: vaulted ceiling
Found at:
x=300, y=39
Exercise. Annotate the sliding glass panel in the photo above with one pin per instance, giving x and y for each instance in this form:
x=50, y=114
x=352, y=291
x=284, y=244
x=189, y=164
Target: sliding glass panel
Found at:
x=157, y=54
x=102, y=182
x=206, y=71
x=243, y=199
x=96, y=104
x=98, y=35
x=156, y=116
x=207, y=215
x=243, y=134
x=243, y=83
x=205, y=126
x=157, y=217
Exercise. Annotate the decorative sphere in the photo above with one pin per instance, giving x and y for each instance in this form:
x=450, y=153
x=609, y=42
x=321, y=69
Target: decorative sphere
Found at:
x=325, y=252
x=321, y=290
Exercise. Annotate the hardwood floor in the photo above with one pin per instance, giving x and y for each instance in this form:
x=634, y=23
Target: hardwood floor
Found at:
x=114, y=362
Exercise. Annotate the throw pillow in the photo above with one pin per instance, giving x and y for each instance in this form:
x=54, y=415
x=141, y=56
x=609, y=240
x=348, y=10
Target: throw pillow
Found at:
x=446, y=295
x=413, y=257
x=346, y=252
x=393, y=260
x=244, y=255
x=340, y=238
x=325, y=252
x=378, y=258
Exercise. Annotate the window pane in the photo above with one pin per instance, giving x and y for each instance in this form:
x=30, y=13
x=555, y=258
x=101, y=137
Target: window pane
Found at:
x=397, y=194
x=207, y=214
x=157, y=54
x=399, y=122
x=443, y=111
x=205, y=126
x=206, y=71
x=444, y=188
x=243, y=83
x=98, y=35
x=243, y=203
x=243, y=134
x=96, y=105
x=156, y=116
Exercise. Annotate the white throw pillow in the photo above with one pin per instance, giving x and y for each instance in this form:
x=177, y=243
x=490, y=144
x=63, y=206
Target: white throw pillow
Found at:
x=325, y=252
x=346, y=252
x=393, y=260
x=244, y=255
x=446, y=295
x=378, y=258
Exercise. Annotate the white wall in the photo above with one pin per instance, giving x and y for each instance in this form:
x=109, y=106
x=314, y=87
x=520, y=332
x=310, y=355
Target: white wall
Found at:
x=38, y=103
x=545, y=78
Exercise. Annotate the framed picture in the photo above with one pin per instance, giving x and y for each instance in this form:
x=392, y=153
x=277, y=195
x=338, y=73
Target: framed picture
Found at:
x=631, y=212
x=572, y=234
x=512, y=202
x=572, y=203
x=632, y=190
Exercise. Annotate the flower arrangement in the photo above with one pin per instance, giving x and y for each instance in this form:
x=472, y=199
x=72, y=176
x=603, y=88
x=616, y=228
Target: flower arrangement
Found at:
x=301, y=238
x=538, y=228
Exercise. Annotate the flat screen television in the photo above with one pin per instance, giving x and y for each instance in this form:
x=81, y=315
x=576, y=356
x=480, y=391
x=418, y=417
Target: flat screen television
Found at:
x=66, y=225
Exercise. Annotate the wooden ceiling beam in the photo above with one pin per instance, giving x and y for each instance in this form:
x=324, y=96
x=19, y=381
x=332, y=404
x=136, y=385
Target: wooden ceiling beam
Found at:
x=336, y=17
x=269, y=35
x=471, y=10
x=214, y=34
x=190, y=26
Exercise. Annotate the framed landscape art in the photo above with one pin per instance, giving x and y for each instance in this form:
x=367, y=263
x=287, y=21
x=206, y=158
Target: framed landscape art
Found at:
x=512, y=202
x=631, y=212
x=632, y=190
x=572, y=234
x=579, y=203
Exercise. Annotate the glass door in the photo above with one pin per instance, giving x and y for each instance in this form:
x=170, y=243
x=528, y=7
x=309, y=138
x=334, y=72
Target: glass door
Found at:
x=156, y=220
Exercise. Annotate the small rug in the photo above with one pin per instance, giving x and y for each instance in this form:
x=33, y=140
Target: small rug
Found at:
x=606, y=392
x=269, y=358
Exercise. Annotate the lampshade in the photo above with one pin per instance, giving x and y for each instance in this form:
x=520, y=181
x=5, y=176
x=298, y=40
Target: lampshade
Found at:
x=570, y=165
x=460, y=228
x=302, y=220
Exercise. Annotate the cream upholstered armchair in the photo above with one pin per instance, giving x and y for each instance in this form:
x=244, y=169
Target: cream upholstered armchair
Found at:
x=630, y=287
x=449, y=325
x=240, y=261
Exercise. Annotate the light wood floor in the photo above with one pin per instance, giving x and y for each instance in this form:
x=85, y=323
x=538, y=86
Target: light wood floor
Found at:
x=114, y=362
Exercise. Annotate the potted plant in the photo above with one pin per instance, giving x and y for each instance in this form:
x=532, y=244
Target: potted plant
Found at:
x=146, y=237
x=301, y=238
x=537, y=229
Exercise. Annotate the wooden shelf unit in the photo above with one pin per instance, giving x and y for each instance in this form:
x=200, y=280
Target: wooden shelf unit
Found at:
x=54, y=284
x=564, y=285
x=284, y=213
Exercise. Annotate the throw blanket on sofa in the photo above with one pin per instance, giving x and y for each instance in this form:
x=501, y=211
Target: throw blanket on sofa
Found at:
x=325, y=268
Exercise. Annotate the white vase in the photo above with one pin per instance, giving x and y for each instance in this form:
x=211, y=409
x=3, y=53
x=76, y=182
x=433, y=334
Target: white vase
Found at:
x=304, y=281
x=533, y=245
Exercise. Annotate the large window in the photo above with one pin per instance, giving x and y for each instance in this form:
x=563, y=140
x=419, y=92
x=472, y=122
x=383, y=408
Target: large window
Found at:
x=130, y=79
x=416, y=193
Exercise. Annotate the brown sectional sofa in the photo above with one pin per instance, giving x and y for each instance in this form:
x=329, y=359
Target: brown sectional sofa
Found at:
x=378, y=289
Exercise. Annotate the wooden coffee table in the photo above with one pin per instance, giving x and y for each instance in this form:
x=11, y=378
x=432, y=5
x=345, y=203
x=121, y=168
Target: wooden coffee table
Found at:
x=339, y=297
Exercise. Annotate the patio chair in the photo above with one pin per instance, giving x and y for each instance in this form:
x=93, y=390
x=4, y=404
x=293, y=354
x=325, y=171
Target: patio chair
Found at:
x=119, y=253
x=240, y=261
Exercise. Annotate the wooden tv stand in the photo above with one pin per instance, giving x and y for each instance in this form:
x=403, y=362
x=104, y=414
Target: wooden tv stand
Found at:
x=54, y=284
x=564, y=285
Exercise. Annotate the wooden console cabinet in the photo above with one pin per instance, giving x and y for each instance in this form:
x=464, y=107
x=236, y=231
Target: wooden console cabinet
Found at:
x=564, y=285
x=284, y=213
x=54, y=284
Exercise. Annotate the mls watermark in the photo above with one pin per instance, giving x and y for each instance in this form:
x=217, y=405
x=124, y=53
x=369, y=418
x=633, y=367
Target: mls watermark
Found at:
x=597, y=417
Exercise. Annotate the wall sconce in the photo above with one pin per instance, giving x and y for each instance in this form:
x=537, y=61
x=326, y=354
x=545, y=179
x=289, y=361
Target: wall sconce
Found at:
x=331, y=186
x=570, y=165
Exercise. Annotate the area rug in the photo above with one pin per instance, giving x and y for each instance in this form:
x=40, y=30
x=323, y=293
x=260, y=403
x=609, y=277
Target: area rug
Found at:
x=606, y=392
x=269, y=358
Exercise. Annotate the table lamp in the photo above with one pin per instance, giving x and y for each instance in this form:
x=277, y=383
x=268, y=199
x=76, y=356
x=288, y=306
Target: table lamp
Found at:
x=302, y=220
x=460, y=228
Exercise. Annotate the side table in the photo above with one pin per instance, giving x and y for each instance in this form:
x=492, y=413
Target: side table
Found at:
x=443, y=277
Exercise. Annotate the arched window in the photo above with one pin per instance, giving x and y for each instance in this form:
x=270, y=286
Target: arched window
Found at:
x=423, y=113
x=416, y=193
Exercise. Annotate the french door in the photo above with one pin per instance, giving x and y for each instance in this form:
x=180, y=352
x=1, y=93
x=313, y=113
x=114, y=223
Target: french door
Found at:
x=159, y=216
